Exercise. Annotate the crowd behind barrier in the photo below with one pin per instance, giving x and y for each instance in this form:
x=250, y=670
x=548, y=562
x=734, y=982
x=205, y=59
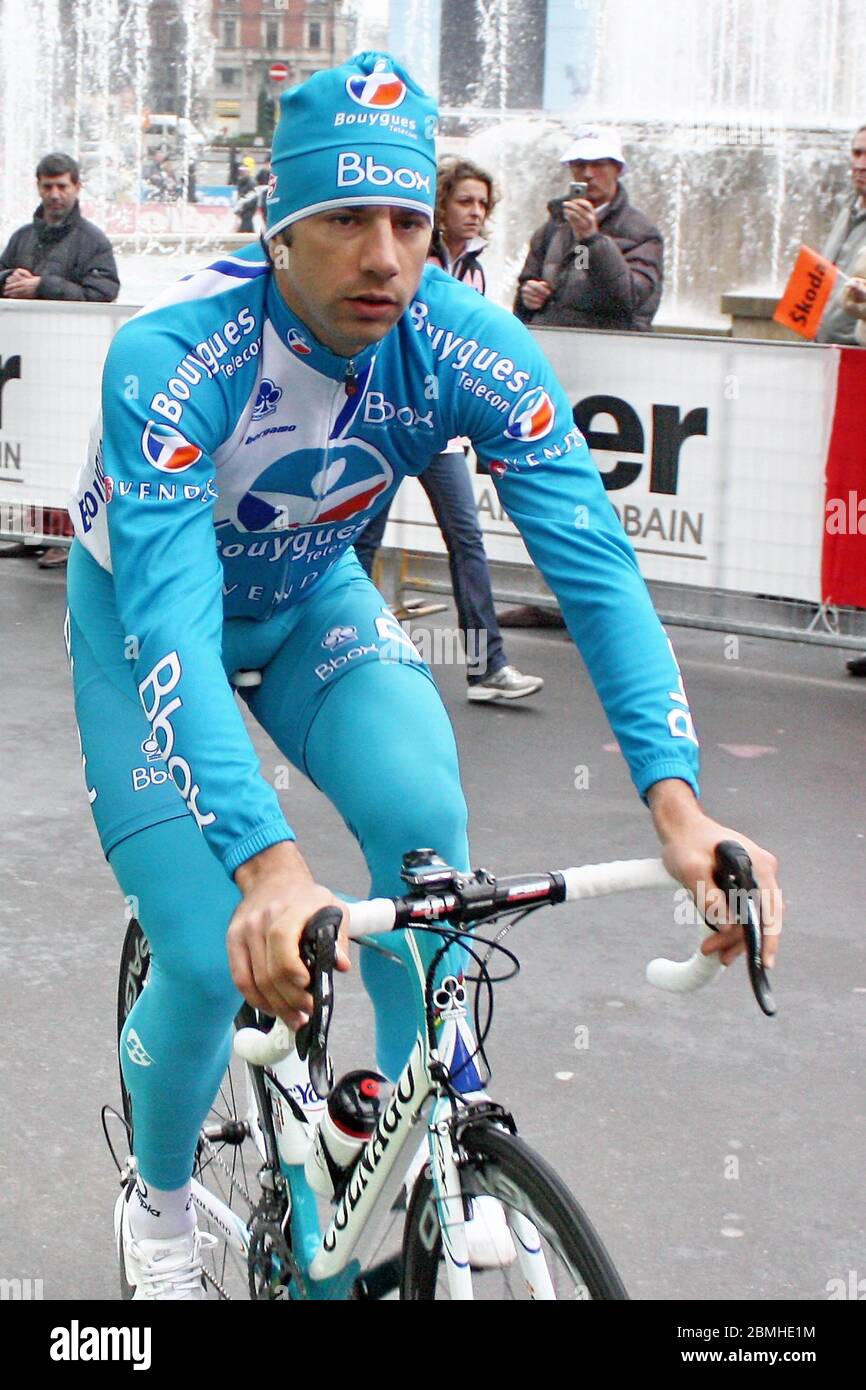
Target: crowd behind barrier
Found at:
x=734, y=466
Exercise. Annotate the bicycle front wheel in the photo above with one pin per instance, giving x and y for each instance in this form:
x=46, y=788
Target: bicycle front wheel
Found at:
x=528, y=1237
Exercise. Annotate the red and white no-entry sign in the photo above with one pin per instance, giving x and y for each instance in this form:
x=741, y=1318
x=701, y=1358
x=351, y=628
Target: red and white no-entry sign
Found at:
x=278, y=72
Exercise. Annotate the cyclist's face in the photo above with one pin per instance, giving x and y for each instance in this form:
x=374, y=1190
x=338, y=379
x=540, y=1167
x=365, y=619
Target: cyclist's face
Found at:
x=350, y=272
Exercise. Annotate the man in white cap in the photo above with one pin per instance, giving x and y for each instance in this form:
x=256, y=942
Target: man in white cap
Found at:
x=597, y=261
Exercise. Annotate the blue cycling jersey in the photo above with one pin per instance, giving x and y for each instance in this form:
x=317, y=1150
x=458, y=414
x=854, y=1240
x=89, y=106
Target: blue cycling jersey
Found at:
x=238, y=459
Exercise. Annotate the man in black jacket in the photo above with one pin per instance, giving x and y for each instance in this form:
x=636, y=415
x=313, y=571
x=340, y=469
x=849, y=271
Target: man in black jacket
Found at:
x=597, y=261
x=59, y=255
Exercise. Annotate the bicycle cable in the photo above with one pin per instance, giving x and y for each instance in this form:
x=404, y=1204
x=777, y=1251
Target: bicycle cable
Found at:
x=103, y=1115
x=484, y=981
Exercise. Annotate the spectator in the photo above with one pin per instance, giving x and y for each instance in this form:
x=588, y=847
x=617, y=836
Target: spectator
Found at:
x=157, y=175
x=597, y=261
x=60, y=255
x=234, y=162
x=246, y=204
x=845, y=247
x=464, y=200
x=263, y=181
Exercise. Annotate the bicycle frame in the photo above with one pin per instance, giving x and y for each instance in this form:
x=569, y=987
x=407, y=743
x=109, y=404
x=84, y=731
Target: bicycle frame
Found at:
x=325, y=1259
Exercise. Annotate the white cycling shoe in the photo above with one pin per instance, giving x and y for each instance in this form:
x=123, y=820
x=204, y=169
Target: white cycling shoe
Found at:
x=159, y=1269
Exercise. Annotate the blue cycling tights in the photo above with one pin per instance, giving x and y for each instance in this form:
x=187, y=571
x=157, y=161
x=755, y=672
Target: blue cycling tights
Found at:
x=381, y=748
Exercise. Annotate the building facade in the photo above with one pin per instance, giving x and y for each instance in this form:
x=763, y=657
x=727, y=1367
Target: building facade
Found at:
x=251, y=35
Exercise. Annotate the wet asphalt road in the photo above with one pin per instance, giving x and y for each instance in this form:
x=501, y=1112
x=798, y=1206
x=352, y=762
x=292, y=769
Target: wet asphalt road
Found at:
x=720, y=1154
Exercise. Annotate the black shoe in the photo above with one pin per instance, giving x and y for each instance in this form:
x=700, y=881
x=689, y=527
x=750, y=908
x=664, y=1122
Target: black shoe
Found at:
x=55, y=558
x=530, y=616
x=19, y=550
x=857, y=666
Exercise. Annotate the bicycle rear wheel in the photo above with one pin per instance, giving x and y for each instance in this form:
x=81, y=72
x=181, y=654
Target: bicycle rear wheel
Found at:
x=550, y=1251
x=227, y=1161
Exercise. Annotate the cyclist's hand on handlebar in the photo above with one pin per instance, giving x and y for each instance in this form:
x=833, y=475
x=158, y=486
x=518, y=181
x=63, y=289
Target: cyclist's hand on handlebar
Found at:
x=689, y=838
x=280, y=896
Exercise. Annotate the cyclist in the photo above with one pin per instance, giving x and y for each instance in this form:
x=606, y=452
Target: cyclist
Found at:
x=254, y=418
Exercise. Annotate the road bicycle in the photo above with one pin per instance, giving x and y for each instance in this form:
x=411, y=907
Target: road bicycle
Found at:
x=477, y=1215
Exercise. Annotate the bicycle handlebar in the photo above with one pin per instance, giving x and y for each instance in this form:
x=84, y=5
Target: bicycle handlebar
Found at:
x=461, y=899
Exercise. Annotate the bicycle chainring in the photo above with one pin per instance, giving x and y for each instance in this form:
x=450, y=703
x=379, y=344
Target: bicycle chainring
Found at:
x=273, y=1274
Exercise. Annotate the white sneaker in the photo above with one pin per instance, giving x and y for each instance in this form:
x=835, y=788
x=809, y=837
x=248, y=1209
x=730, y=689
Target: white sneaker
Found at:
x=159, y=1269
x=505, y=684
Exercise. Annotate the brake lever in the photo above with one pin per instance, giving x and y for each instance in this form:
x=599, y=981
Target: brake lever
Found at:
x=733, y=873
x=319, y=954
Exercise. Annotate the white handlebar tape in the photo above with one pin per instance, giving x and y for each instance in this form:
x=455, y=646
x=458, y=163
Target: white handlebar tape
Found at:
x=264, y=1049
x=681, y=976
x=598, y=880
x=371, y=917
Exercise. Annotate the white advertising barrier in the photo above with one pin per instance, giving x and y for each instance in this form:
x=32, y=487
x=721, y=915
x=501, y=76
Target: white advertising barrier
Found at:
x=713, y=450
x=51, y=358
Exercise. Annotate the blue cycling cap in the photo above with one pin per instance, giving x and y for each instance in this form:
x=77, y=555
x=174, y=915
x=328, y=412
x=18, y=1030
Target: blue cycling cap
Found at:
x=358, y=134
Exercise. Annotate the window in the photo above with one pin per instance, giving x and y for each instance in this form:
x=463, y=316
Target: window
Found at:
x=230, y=33
x=314, y=35
x=272, y=33
x=229, y=77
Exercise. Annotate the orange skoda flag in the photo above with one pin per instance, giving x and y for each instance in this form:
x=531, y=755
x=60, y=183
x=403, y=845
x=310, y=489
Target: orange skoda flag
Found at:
x=806, y=293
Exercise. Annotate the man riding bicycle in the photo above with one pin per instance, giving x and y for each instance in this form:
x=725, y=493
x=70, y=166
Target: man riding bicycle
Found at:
x=255, y=417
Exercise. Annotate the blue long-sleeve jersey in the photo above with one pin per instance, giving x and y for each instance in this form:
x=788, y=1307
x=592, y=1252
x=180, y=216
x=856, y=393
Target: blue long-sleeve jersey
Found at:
x=237, y=459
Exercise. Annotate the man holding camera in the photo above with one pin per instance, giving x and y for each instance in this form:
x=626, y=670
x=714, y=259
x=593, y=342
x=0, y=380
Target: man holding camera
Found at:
x=597, y=261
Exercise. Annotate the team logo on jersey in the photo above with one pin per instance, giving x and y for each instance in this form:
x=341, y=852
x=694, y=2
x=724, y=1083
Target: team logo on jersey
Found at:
x=267, y=399
x=338, y=636
x=272, y=189
x=533, y=415
x=166, y=449
x=298, y=491
x=298, y=343
x=381, y=91
x=498, y=468
x=151, y=749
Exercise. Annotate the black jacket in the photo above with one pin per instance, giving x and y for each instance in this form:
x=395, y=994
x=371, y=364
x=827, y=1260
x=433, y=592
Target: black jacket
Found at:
x=620, y=287
x=73, y=257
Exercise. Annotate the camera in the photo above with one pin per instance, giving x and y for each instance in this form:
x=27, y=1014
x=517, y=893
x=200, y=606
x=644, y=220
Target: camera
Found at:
x=577, y=190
